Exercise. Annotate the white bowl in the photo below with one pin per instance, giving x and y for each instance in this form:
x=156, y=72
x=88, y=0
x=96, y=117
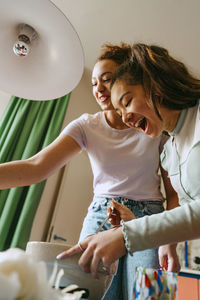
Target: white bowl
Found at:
x=73, y=274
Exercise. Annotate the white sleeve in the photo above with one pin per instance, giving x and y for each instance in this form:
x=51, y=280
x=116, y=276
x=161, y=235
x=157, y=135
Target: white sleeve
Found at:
x=76, y=131
x=179, y=224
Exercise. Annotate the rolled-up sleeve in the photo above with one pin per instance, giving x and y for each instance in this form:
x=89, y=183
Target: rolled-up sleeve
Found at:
x=180, y=224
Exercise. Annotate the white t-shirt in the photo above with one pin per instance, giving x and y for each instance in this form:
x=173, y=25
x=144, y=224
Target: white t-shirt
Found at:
x=124, y=162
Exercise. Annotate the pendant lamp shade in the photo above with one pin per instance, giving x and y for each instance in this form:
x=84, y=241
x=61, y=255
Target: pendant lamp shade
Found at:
x=41, y=56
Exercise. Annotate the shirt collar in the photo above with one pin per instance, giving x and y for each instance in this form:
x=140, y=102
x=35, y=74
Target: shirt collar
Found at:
x=179, y=123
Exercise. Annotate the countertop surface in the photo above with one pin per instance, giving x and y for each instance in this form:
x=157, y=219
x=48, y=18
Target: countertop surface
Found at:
x=190, y=273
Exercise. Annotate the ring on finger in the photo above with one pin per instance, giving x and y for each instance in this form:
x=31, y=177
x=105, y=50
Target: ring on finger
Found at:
x=106, y=269
x=79, y=244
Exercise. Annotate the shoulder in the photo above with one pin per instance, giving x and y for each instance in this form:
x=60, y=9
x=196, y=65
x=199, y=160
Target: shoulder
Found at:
x=85, y=118
x=90, y=118
x=85, y=123
x=92, y=121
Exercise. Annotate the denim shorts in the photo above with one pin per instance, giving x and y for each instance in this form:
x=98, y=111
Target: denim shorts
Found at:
x=121, y=286
x=98, y=208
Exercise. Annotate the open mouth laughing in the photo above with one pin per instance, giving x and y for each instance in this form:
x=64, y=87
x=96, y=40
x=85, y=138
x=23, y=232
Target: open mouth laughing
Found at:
x=103, y=98
x=141, y=123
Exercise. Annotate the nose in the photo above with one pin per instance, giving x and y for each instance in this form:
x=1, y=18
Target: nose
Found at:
x=124, y=117
x=100, y=87
x=127, y=117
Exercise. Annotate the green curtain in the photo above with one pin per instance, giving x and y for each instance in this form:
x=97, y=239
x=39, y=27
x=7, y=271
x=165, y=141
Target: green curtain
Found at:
x=26, y=127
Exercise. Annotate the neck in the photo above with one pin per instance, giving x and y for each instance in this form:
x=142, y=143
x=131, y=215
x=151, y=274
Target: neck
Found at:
x=172, y=120
x=114, y=120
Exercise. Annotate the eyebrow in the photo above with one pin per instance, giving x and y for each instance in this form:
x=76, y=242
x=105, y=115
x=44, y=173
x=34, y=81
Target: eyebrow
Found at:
x=103, y=74
x=121, y=98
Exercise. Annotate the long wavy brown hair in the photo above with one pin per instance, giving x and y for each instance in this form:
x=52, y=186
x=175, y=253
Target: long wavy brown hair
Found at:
x=166, y=80
x=118, y=53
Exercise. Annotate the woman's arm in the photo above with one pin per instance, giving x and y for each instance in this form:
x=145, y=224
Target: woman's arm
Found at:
x=41, y=165
x=168, y=257
x=179, y=224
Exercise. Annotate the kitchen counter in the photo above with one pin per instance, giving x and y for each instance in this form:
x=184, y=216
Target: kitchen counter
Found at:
x=186, y=272
x=189, y=284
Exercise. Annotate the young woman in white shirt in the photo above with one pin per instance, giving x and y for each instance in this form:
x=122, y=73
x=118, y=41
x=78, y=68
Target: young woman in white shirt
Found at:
x=124, y=162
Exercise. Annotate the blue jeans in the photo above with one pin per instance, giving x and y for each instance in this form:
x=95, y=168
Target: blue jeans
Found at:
x=121, y=286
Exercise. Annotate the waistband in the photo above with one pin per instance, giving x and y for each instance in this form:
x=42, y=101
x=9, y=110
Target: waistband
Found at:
x=126, y=201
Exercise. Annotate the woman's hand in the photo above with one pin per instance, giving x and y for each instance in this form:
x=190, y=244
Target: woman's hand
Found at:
x=168, y=258
x=105, y=247
x=118, y=211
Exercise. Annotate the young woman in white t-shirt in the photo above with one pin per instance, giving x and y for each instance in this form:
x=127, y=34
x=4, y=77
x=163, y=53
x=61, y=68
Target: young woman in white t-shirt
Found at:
x=125, y=165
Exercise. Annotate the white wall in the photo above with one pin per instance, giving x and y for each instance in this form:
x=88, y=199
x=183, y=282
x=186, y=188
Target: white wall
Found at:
x=174, y=24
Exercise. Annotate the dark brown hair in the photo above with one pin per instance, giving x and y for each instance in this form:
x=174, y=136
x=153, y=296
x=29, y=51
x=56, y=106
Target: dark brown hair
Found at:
x=165, y=80
x=118, y=53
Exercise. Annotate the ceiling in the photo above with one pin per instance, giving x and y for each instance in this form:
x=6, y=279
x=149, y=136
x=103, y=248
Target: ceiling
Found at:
x=172, y=23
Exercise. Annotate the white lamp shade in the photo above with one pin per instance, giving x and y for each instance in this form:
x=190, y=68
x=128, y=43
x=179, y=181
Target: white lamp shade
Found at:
x=55, y=63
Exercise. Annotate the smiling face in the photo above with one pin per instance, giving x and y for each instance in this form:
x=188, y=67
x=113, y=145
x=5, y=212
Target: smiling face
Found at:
x=101, y=79
x=131, y=103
